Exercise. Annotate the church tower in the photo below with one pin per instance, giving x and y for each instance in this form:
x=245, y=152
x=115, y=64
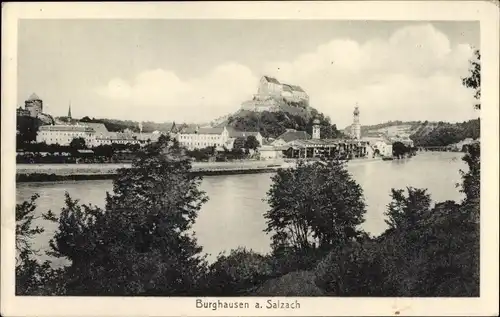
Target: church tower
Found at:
x=356, y=126
x=69, y=111
x=316, y=133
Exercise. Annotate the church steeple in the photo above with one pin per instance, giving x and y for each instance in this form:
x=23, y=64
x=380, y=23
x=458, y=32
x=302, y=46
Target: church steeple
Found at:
x=356, y=126
x=69, y=110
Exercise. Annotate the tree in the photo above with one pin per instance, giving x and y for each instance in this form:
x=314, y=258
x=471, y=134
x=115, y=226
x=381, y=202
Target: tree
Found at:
x=78, y=144
x=239, y=272
x=251, y=142
x=474, y=79
x=405, y=212
x=315, y=205
x=32, y=276
x=354, y=269
x=140, y=243
x=399, y=149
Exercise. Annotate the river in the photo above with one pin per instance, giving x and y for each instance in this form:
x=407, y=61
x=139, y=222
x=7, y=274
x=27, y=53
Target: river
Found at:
x=234, y=214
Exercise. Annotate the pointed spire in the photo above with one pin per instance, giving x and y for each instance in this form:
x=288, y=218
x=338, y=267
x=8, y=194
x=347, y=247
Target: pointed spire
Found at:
x=69, y=110
x=174, y=129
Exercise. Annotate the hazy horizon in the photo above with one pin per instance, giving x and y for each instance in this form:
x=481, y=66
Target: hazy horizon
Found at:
x=198, y=70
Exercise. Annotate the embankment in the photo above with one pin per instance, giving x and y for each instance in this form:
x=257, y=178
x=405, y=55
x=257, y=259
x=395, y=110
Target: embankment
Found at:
x=59, y=172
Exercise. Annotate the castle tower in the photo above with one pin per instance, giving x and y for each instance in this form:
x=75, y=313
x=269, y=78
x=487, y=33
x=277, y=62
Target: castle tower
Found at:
x=34, y=105
x=356, y=126
x=316, y=133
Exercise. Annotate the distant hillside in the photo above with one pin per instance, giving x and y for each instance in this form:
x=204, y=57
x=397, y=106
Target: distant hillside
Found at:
x=425, y=133
x=444, y=133
x=391, y=128
x=115, y=125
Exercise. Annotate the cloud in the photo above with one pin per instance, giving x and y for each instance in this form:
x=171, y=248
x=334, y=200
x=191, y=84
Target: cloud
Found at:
x=163, y=93
x=413, y=74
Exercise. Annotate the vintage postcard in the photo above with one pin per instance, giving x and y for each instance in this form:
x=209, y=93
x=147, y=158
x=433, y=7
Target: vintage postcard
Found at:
x=250, y=158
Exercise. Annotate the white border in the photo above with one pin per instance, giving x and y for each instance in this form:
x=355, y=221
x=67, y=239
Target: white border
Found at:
x=485, y=12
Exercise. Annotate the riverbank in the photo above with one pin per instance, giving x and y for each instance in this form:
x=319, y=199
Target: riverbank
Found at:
x=75, y=172
x=61, y=172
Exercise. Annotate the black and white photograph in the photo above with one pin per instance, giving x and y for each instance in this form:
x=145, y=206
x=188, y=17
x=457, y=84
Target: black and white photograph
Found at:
x=226, y=159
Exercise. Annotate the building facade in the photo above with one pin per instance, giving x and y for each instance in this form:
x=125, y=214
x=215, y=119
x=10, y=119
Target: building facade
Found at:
x=64, y=134
x=199, y=138
x=271, y=92
x=271, y=87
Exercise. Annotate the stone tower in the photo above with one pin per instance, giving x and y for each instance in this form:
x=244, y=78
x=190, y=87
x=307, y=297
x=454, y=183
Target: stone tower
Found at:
x=34, y=105
x=316, y=133
x=356, y=126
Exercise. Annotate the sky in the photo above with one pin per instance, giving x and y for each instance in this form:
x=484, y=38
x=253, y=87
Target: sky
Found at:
x=198, y=70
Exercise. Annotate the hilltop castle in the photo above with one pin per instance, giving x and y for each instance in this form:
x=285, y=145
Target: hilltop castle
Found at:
x=271, y=93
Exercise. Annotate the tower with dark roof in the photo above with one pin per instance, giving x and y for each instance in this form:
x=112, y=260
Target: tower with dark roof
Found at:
x=34, y=105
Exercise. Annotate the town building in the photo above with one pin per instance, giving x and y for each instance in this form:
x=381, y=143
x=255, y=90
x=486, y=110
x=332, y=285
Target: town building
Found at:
x=245, y=134
x=63, y=134
x=269, y=152
x=317, y=147
x=290, y=135
x=198, y=138
x=109, y=138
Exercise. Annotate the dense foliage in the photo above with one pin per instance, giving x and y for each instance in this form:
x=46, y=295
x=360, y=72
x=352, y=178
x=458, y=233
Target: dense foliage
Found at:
x=443, y=133
x=273, y=124
x=426, y=251
x=27, y=128
x=115, y=125
x=474, y=79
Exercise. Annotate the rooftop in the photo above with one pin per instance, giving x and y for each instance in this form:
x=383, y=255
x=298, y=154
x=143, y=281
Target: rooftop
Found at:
x=193, y=130
x=292, y=135
x=33, y=97
x=235, y=134
x=98, y=127
x=272, y=80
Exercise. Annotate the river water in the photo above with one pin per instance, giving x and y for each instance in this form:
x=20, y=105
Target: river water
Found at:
x=234, y=214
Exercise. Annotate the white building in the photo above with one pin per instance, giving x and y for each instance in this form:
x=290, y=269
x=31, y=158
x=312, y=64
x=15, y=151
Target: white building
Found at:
x=199, y=138
x=269, y=152
x=108, y=138
x=63, y=134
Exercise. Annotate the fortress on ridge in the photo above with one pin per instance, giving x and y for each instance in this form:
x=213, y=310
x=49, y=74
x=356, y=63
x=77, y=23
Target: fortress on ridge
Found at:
x=271, y=93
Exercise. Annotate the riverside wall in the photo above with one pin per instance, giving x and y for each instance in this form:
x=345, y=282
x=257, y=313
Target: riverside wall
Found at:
x=59, y=172
x=56, y=172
